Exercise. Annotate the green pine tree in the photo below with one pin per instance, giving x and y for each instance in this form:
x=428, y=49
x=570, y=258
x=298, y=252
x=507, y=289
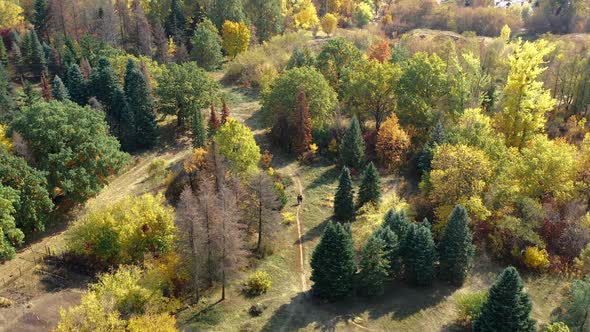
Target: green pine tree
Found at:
x=344, y=198
x=419, y=255
x=124, y=127
x=370, y=190
x=105, y=84
x=507, y=308
x=175, y=22
x=59, y=90
x=374, y=267
x=352, y=147
x=141, y=106
x=391, y=246
x=198, y=130
x=3, y=54
x=71, y=54
x=437, y=137
x=41, y=18
x=398, y=222
x=29, y=96
x=7, y=103
x=456, y=248
x=33, y=55
x=332, y=263
x=77, y=86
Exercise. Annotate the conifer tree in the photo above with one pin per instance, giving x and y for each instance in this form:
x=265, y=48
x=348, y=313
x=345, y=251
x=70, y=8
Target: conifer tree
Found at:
x=7, y=103
x=456, y=247
x=3, y=54
x=45, y=88
x=507, y=308
x=370, y=190
x=302, y=138
x=76, y=84
x=332, y=263
x=419, y=255
x=352, y=147
x=343, y=200
x=207, y=46
x=59, y=90
x=175, y=21
x=124, y=124
x=35, y=55
x=213, y=122
x=105, y=84
x=398, y=222
x=29, y=96
x=224, y=113
x=141, y=106
x=374, y=267
x=198, y=130
x=391, y=247
x=41, y=18
x=437, y=137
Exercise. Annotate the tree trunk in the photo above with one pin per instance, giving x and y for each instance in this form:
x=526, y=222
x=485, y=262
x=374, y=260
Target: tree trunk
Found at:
x=259, y=224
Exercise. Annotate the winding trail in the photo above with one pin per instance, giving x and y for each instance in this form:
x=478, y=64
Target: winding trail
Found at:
x=299, y=240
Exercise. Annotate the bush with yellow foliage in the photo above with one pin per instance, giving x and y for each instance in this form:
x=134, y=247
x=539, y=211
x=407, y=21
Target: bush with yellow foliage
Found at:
x=236, y=38
x=4, y=139
x=535, y=258
x=329, y=23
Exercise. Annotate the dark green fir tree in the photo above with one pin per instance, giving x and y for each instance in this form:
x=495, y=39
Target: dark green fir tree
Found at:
x=437, y=137
x=419, y=255
x=35, y=55
x=344, y=198
x=198, y=130
x=3, y=54
x=123, y=121
x=374, y=267
x=456, y=248
x=104, y=83
x=175, y=21
x=207, y=46
x=41, y=18
x=29, y=96
x=370, y=190
x=332, y=263
x=391, y=246
x=352, y=147
x=141, y=106
x=507, y=308
x=398, y=222
x=77, y=86
x=7, y=103
x=59, y=90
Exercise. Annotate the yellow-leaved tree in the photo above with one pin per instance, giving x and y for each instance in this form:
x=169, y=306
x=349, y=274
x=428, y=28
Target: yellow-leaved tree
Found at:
x=392, y=143
x=525, y=102
x=236, y=38
x=306, y=16
x=11, y=14
x=329, y=23
x=5, y=140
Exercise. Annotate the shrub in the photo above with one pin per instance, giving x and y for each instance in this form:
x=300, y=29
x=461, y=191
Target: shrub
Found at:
x=329, y=23
x=470, y=305
x=125, y=231
x=157, y=169
x=535, y=258
x=5, y=303
x=258, y=283
x=363, y=14
x=557, y=327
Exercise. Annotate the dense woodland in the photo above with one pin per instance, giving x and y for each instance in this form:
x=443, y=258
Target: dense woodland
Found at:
x=477, y=113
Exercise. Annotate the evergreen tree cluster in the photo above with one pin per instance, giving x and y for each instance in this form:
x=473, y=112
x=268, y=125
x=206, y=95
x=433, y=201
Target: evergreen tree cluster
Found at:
x=369, y=192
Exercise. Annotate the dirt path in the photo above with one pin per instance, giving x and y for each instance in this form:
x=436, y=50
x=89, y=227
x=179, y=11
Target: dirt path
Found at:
x=299, y=241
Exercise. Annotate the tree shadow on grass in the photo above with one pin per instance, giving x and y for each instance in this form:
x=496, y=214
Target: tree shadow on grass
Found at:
x=399, y=302
x=327, y=177
x=314, y=233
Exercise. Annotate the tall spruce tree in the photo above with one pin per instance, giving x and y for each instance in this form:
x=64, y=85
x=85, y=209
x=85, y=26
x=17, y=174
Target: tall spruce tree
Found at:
x=41, y=18
x=124, y=120
x=59, y=90
x=175, y=22
x=437, y=137
x=507, y=308
x=198, y=130
x=419, y=255
x=77, y=86
x=370, y=190
x=391, y=246
x=7, y=103
x=456, y=248
x=206, y=44
x=141, y=106
x=105, y=84
x=352, y=147
x=344, y=198
x=374, y=267
x=3, y=54
x=332, y=263
x=398, y=222
x=302, y=138
x=35, y=55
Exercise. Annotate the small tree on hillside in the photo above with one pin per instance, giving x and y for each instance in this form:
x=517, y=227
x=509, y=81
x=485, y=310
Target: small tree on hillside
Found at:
x=76, y=85
x=456, y=248
x=374, y=267
x=207, y=45
x=224, y=112
x=141, y=106
x=352, y=147
x=370, y=190
x=263, y=211
x=236, y=38
x=508, y=307
x=391, y=247
x=392, y=143
x=332, y=263
x=344, y=198
x=198, y=130
x=213, y=122
x=302, y=138
x=58, y=89
x=419, y=255
x=437, y=137
x=398, y=222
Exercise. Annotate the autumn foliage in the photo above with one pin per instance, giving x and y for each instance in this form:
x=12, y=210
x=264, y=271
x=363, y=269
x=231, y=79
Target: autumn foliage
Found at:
x=392, y=143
